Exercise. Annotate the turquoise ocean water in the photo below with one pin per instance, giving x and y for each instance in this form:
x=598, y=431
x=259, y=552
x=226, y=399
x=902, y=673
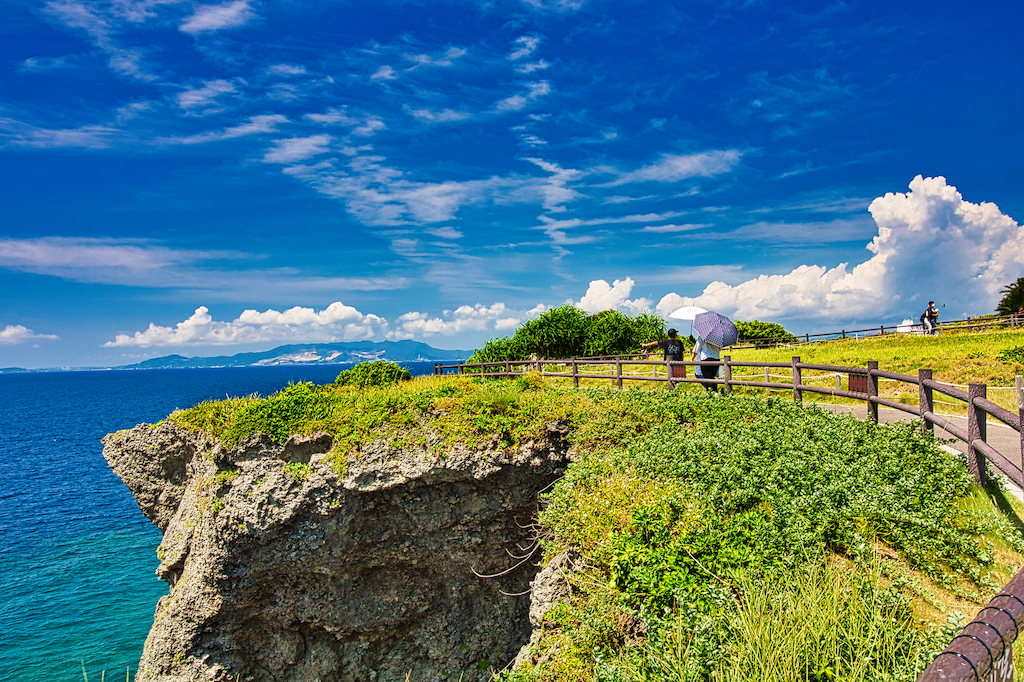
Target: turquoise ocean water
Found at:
x=77, y=557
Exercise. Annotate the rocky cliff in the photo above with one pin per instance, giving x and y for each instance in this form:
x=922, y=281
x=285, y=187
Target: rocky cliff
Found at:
x=280, y=569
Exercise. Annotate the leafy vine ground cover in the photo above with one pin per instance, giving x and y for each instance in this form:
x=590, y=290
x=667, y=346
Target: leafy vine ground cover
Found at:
x=697, y=520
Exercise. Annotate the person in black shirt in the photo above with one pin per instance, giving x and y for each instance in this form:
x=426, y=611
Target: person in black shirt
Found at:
x=931, y=318
x=673, y=348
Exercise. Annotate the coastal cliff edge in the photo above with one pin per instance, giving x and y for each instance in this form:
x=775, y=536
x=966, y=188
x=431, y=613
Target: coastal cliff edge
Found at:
x=283, y=569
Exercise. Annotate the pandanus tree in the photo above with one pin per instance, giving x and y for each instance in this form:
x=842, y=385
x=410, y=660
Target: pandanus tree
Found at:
x=1013, y=298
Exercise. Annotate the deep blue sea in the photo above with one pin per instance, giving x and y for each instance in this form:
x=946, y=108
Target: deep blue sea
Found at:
x=77, y=557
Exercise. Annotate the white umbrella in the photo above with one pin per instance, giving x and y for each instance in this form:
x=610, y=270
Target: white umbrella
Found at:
x=687, y=313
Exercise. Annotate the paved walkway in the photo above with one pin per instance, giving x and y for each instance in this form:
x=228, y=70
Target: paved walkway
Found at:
x=1000, y=436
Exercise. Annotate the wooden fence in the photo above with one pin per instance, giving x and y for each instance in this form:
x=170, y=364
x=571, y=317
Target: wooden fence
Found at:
x=982, y=652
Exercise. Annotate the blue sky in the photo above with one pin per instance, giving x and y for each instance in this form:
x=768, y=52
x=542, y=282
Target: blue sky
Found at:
x=211, y=178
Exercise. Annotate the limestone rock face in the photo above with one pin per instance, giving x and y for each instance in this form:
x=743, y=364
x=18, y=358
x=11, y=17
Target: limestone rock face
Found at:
x=283, y=570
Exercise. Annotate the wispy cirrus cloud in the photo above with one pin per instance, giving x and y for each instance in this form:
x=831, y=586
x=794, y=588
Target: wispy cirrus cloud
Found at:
x=359, y=123
x=384, y=73
x=428, y=115
x=443, y=59
x=676, y=167
x=100, y=26
x=208, y=18
x=43, y=64
x=556, y=229
x=534, y=91
x=138, y=263
x=257, y=125
x=205, y=99
x=670, y=229
x=287, y=70
x=793, y=102
x=296, y=149
x=22, y=134
x=524, y=46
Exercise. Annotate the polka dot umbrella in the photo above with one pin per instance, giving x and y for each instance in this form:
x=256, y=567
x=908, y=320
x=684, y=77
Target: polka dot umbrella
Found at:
x=715, y=328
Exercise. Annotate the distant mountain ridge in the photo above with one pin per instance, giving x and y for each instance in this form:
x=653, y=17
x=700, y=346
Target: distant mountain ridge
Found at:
x=313, y=354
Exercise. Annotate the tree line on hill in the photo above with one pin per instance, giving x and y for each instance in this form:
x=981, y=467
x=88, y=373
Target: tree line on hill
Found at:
x=567, y=331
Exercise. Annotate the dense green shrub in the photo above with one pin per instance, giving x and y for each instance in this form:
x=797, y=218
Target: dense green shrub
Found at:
x=1015, y=355
x=567, y=331
x=684, y=522
x=299, y=408
x=377, y=373
x=755, y=329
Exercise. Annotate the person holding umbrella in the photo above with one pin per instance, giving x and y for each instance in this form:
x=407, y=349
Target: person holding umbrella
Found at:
x=714, y=331
x=705, y=350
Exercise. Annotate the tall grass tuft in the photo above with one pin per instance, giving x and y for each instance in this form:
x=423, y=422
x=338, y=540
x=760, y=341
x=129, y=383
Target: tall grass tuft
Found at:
x=825, y=623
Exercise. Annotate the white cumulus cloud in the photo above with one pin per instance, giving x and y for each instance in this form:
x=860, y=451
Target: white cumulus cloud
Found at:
x=931, y=244
x=14, y=334
x=467, y=318
x=336, y=322
x=601, y=296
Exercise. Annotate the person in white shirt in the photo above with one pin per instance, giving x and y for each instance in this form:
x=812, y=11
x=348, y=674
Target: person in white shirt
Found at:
x=704, y=350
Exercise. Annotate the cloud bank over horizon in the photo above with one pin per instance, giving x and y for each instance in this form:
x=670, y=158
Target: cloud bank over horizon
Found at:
x=930, y=244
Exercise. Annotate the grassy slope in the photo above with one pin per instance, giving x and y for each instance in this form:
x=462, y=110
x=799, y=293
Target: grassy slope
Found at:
x=684, y=506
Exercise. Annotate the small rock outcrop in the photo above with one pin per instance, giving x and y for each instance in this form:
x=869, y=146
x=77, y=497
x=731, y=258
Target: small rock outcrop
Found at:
x=281, y=569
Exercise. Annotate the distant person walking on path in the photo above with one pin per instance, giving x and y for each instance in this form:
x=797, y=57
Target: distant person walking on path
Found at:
x=673, y=348
x=930, y=319
x=704, y=350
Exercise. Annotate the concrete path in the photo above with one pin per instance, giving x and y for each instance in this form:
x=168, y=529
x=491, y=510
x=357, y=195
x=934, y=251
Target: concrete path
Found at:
x=1000, y=436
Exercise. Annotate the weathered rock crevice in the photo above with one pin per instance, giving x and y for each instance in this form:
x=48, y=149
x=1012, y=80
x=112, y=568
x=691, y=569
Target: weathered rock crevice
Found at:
x=373, y=575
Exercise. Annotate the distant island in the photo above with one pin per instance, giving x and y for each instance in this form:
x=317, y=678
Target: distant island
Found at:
x=297, y=354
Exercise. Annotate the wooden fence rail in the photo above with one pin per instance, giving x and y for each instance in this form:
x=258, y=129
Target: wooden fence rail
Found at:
x=982, y=652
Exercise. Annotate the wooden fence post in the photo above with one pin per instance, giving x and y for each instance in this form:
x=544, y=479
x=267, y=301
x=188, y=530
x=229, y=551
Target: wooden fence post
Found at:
x=575, y=374
x=977, y=424
x=460, y=366
x=872, y=391
x=726, y=373
x=1019, y=383
x=539, y=370
x=618, y=372
x=798, y=395
x=925, y=397
x=508, y=368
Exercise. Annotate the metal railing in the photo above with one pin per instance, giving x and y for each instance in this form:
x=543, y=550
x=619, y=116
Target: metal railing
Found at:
x=982, y=652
